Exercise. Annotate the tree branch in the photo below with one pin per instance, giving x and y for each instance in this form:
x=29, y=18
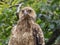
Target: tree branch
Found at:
x=18, y=8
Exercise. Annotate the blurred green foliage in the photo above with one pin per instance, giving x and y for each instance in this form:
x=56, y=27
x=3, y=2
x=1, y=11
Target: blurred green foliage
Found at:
x=48, y=16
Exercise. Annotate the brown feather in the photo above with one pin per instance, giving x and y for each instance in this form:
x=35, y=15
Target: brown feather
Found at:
x=27, y=32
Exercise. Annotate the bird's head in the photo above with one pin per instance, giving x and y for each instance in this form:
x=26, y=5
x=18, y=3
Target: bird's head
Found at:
x=27, y=13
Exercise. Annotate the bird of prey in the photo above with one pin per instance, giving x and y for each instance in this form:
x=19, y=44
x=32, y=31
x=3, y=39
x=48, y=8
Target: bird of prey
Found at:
x=26, y=31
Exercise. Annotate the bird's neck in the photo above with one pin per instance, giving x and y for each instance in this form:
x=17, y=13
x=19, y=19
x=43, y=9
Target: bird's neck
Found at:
x=25, y=23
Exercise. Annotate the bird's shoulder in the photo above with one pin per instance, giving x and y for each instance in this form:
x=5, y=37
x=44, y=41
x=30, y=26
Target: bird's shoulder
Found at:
x=36, y=27
x=13, y=30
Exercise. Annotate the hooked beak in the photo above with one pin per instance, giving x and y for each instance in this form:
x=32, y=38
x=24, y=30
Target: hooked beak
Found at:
x=25, y=12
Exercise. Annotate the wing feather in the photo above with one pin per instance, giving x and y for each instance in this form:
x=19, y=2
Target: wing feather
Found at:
x=38, y=35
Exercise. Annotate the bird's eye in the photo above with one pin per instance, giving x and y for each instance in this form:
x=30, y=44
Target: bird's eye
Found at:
x=29, y=11
x=22, y=11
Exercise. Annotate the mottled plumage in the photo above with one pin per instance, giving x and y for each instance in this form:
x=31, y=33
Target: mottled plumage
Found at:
x=27, y=32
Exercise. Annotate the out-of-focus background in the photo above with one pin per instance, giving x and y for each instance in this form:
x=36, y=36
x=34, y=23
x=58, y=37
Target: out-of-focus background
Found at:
x=48, y=17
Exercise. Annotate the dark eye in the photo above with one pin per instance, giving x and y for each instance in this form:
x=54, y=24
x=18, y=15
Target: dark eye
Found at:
x=29, y=11
x=22, y=11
